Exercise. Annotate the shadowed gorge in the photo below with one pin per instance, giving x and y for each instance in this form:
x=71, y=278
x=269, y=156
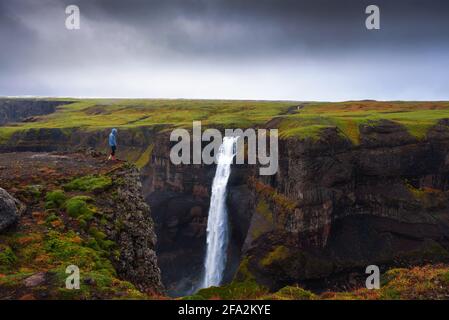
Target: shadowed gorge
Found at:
x=24, y=110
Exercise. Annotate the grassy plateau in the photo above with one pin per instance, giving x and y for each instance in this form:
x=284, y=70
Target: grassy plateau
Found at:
x=294, y=119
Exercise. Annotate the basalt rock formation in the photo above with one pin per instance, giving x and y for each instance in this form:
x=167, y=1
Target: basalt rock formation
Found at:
x=135, y=235
x=334, y=208
x=16, y=110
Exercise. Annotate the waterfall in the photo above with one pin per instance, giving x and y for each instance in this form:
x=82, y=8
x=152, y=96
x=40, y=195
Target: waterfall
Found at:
x=217, y=222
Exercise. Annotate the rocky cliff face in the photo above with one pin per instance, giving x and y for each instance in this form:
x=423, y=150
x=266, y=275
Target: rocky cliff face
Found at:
x=16, y=110
x=333, y=208
x=132, y=228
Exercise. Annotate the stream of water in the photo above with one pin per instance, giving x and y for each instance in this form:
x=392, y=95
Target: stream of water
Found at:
x=217, y=223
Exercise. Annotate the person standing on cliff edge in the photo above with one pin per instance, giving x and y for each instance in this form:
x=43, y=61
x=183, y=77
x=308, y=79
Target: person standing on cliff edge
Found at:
x=113, y=143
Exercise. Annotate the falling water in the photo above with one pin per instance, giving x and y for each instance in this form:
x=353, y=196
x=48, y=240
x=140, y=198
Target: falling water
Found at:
x=217, y=223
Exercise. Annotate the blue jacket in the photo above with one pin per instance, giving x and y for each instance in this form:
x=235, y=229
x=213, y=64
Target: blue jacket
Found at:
x=113, y=138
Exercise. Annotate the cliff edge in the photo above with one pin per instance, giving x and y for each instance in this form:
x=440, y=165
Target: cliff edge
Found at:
x=80, y=211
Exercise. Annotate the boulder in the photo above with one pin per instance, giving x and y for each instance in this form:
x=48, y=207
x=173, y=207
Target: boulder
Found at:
x=35, y=280
x=10, y=209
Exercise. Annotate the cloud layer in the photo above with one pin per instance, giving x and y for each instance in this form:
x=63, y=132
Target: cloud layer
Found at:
x=248, y=49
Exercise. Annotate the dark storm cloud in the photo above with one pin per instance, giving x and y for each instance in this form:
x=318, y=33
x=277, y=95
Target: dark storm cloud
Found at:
x=234, y=26
x=225, y=48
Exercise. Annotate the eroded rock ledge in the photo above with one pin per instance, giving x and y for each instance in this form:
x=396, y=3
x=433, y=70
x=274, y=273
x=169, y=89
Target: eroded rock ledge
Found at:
x=82, y=211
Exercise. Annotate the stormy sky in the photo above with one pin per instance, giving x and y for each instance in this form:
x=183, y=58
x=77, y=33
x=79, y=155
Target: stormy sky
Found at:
x=244, y=49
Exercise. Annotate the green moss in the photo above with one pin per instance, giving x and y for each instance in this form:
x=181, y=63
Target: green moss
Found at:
x=243, y=273
x=263, y=220
x=50, y=218
x=100, y=240
x=47, y=248
x=278, y=254
x=390, y=294
x=6, y=133
x=429, y=198
x=283, y=203
x=101, y=283
x=390, y=275
x=145, y=157
x=264, y=210
x=7, y=258
x=93, y=244
x=416, y=117
x=97, y=234
x=292, y=293
x=445, y=278
x=78, y=207
x=103, y=221
x=234, y=291
x=34, y=191
x=119, y=225
x=68, y=248
x=89, y=183
x=55, y=199
x=12, y=280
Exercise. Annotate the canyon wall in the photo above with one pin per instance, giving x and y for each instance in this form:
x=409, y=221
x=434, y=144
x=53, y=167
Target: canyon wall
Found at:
x=334, y=208
x=16, y=110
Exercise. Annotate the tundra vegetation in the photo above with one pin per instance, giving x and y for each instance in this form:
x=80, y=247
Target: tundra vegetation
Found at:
x=293, y=119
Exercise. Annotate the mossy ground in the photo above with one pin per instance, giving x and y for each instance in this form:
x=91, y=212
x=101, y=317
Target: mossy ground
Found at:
x=416, y=283
x=269, y=194
x=145, y=157
x=236, y=290
x=89, y=183
x=294, y=119
x=416, y=117
x=63, y=226
x=51, y=252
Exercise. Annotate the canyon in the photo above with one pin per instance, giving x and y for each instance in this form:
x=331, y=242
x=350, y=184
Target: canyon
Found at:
x=333, y=208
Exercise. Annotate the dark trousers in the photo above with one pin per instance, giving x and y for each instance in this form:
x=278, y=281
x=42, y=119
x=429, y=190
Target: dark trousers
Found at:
x=113, y=148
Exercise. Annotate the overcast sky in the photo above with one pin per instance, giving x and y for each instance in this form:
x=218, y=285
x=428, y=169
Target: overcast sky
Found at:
x=246, y=49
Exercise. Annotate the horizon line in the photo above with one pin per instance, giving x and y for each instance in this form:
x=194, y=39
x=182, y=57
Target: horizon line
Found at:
x=205, y=99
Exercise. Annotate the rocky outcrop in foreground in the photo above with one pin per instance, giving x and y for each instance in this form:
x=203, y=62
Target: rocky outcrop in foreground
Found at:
x=135, y=237
x=81, y=211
